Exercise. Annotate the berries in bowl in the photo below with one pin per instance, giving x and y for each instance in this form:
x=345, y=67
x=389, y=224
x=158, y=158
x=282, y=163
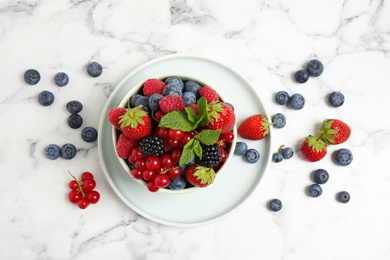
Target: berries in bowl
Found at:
x=173, y=133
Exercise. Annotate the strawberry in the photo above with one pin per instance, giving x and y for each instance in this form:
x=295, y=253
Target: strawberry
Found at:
x=124, y=146
x=334, y=131
x=255, y=127
x=114, y=116
x=200, y=176
x=209, y=93
x=153, y=86
x=313, y=148
x=171, y=103
x=136, y=123
x=222, y=117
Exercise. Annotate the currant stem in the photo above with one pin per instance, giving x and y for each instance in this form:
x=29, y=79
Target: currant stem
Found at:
x=78, y=184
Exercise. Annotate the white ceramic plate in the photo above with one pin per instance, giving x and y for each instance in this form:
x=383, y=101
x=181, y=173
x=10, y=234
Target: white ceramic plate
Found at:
x=206, y=205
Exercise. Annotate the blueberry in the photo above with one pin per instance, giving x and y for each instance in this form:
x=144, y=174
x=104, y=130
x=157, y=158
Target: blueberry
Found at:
x=315, y=68
x=144, y=101
x=336, y=99
x=277, y=157
x=52, y=151
x=301, y=76
x=343, y=196
x=241, y=148
x=61, y=79
x=89, y=134
x=314, y=190
x=287, y=152
x=32, y=76
x=297, y=101
x=178, y=183
x=94, y=69
x=45, y=98
x=172, y=89
x=344, y=157
x=68, y=151
x=252, y=155
x=74, y=106
x=75, y=121
x=133, y=99
x=278, y=120
x=175, y=80
x=192, y=86
x=321, y=176
x=275, y=205
x=153, y=102
x=189, y=98
x=282, y=97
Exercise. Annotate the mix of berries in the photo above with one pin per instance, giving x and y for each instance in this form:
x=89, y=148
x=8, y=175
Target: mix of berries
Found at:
x=83, y=191
x=174, y=133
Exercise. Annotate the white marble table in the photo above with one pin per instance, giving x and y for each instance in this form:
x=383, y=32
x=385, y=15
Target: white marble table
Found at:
x=266, y=41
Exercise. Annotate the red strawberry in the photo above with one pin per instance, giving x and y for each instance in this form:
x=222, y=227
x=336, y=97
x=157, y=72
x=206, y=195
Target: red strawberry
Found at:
x=124, y=146
x=334, y=131
x=209, y=93
x=222, y=117
x=171, y=103
x=313, y=148
x=136, y=123
x=114, y=116
x=255, y=127
x=200, y=176
x=153, y=86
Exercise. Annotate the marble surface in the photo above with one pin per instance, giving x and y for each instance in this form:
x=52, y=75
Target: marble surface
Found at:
x=266, y=41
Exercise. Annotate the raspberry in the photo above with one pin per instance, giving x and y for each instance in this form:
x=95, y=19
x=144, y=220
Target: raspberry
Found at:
x=114, y=116
x=171, y=103
x=153, y=86
x=124, y=146
x=209, y=94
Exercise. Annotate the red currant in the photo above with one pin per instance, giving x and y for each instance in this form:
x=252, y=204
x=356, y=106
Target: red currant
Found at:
x=174, y=172
x=86, y=175
x=173, y=143
x=175, y=134
x=136, y=152
x=153, y=162
x=83, y=203
x=176, y=154
x=73, y=185
x=224, y=155
x=137, y=173
x=166, y=160
x=132, y=159
x=228, y=137
x=162, y=132
x=152, y=187
x=162, y=180
x=148, y=174
x=186, y=138
x=158, y=115
x=74, y=196
x=89, y=184
x=93, y=197
x=140, y=164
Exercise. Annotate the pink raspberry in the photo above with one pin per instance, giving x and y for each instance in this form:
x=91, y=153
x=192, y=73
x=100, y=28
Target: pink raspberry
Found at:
x=114, y=116
x=124, y=146
x=171, y=103
x=153, y=86
x=209, y=94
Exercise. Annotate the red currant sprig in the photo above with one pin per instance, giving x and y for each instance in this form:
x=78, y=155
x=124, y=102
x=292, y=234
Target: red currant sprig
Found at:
x=82, y=192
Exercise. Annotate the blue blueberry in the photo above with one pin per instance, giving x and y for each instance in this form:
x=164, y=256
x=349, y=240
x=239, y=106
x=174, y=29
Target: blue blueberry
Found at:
x=74, y=106
x=144, y=101
x=172, y=89
x=153, y=101
x=343, y=196
x=68, y=151
x=178, y=183
x=52, y=151
x=32, y=77
x=275, y=205
x=89, y=134
x=301, y=76
x=252, y=156
x=94, y=69
x=287, y=152
x=175, y=80
x=61, y=79
x=192, y=86
x=344, y=157
x=277, y=157
x=189, y=98
x=297, y=101
x=336, y=99
x=45, y=98
x=314, y=190
x=278, y=120
x=282, y=97
x=133, y=99
x=315, y=68
x=241, y=148
x=321, y=176
x=75, y=121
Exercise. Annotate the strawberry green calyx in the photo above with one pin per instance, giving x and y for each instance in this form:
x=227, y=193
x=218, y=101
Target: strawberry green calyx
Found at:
x=327, y=133
x=132, y=117
x=265, y=125
x=214, y=108
x=205, y=175
x=316, y=143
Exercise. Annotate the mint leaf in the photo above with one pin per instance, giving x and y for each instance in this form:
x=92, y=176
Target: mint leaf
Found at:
x=208, y=137
x=203, y=117
x=177, y=120
x=197, y=148
x=191, y=115
x=188, y=153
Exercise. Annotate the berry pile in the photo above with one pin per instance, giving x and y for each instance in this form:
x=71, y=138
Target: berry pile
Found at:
x=174, y=133
x=83, y=191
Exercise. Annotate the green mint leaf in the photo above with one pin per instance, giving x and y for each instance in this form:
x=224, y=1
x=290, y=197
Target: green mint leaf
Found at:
x=191, y=115
x=197, y=148
x=188, y=153
x=203, y=117
x=177, y=120
x=208, y=137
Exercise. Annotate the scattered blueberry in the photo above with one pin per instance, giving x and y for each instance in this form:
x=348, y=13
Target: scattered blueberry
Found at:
x=301, y=76
x=94, y=69
x=75, y=121
x=343, y=196
x=189, y=98
x=275, y=205
x=241, y=148
x=277, y=157
x=252, y=155
x=74, y=106
x=133, y=99
x=336, y=99
x=282, y=97
x=153, y=102
x=344, y=157
x=68, y=151
x=321, y=176
x=287, y=152
x=172, y=89
x=314, y=190
x=32, y=76
x=45, y=98
x=315, y=68
x=178, y=183
x=175, y=80
x=278, y=120
x=144, y=101
x=61, y=79
x=52, y=151
x=192, y=86
x=89, y=134
x=297, y=101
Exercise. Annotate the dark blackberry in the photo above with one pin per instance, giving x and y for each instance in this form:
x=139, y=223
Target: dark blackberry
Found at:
x=152, y=145
x=211, y=155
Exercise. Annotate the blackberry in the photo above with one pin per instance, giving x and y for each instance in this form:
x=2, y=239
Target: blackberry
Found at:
x=211, y=155
x=152, y=145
